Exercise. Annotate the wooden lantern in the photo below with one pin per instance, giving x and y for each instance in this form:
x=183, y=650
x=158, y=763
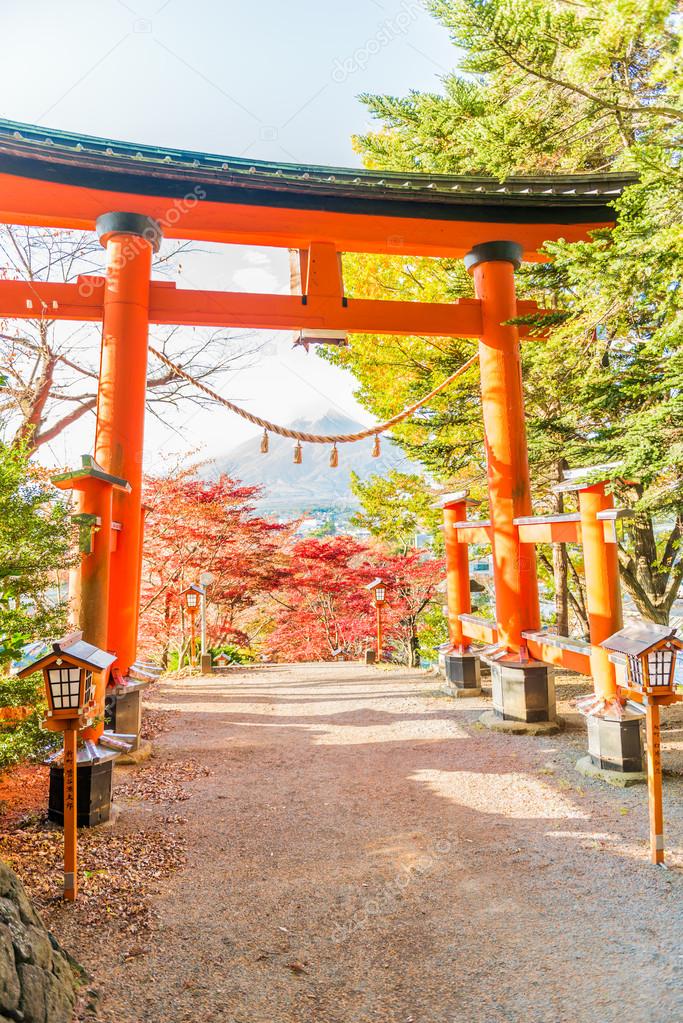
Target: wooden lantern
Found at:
x=650, y=651
x=378, y=590
x=192, y=595
x=68, y=667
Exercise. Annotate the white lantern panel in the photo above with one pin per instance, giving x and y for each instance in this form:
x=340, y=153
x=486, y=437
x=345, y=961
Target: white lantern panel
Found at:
x=635, y=670
x=659, y=664
x=65, y=687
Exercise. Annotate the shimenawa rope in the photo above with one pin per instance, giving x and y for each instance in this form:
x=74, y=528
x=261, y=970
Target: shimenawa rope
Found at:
x=314, y=438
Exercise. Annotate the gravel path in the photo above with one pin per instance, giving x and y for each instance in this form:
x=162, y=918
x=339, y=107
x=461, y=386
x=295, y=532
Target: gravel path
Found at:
x=362, y=850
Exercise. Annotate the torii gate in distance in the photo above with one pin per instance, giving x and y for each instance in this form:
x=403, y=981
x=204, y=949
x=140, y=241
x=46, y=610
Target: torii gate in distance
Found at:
x=134, y=196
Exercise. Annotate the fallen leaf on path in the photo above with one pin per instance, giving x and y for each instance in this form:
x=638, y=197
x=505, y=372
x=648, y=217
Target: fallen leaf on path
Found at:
x=297, y=968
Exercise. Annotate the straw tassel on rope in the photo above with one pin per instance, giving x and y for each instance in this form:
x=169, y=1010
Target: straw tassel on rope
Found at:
x=264, y=443
x=298, y=453
x=376, y=449
x=334, y=457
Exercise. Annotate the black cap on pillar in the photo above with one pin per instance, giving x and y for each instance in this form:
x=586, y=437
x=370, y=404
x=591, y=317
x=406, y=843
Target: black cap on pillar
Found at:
x=495, y=252
x=109, y=224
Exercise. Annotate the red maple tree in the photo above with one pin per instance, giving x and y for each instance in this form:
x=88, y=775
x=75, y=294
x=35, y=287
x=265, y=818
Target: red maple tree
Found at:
x=196, y=526
x=325, y=611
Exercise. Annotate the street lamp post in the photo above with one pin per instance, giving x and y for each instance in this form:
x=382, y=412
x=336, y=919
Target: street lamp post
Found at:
x=205, y=579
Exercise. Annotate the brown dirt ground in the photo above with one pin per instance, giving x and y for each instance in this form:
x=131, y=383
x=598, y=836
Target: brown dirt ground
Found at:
x=362, y=850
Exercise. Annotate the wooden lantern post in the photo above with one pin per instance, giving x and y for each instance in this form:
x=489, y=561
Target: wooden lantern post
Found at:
x=73, y=671
x=654, y=782
x=70, y=811
x=193, y=596
x=378, y=590
x=648, y=652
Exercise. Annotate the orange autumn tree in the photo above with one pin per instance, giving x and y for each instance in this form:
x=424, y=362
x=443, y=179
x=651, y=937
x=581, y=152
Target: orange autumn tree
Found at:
x=196, y=526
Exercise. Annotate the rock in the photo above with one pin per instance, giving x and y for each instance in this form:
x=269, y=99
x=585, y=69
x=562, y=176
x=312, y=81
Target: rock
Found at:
x=12, y=889
x=136, y=756
x=9, y=980
x=9, y=916
x=34, y=983
x=38, y=979
x=59, y=1002
x=40, y=946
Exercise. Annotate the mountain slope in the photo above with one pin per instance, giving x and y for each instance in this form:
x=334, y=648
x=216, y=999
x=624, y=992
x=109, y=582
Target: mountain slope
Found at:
x=313, y=484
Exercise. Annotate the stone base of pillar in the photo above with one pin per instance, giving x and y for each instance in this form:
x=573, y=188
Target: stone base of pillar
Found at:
x=615, y=745
x=523, y=691
x=370, y=657
x=462, y=674
x=206, y=665
x=93, y=794
x=123, y=712
x=618, y=779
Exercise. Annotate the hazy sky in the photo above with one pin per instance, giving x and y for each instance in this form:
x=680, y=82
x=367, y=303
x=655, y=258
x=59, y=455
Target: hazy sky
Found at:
x=268, y=79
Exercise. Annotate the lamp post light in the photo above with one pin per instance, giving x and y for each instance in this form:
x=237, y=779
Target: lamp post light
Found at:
x=648, y=653
x=379, y=592
x=205, y=579
x=192, y=596
x=71, y=670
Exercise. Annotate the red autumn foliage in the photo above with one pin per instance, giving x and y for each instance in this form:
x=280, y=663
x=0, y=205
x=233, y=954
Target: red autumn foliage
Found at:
x=194, y=526
x=295, y=600
x=325, y=610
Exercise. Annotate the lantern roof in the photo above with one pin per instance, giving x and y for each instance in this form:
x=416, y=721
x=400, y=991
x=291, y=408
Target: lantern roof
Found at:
x=192, y=588
x=638, y=638
x=72, y=647
x=374, y=584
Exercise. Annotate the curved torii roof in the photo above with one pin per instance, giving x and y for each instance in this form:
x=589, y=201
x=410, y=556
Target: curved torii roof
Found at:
x=62, y=179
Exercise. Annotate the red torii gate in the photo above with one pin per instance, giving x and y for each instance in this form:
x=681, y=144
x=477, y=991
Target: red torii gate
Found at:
x=135, y=195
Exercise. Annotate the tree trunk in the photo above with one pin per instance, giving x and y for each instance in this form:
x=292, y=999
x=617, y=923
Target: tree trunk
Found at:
x=414, y=650
x=650, y=577
x=561, y=568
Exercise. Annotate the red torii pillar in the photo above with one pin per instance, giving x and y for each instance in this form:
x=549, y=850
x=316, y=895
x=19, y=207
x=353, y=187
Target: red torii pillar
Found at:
x=460, y=664
x=523, y=690
x=130, y=240
x=95, y=490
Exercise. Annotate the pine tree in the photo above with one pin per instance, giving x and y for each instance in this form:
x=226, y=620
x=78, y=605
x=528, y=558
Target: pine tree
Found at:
x=548, y=86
